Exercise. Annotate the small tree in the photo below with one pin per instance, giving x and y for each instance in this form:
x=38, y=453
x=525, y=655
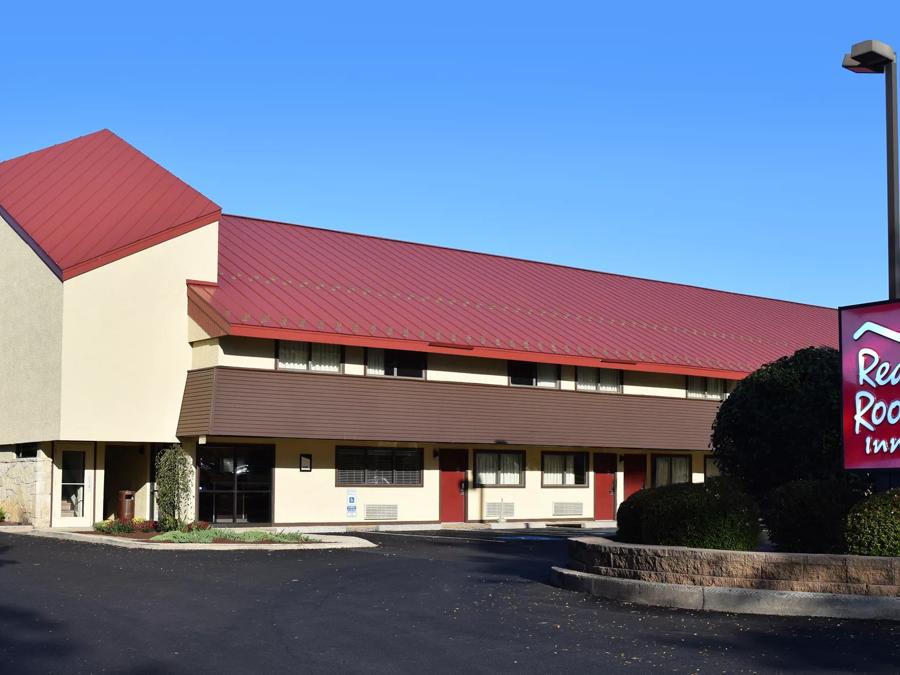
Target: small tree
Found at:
x=174, y=485
x=782, y=423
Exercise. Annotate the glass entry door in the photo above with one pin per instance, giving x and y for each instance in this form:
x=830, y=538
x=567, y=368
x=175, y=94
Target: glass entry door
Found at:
x=235, y=483
x=72, y=492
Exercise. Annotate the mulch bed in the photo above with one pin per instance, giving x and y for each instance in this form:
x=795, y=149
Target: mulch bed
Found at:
x=140, y=536
x=221, y=540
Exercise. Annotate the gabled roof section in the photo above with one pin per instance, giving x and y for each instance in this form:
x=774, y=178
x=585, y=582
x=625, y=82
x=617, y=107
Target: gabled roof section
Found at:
x=86, y=202
x=295, y=282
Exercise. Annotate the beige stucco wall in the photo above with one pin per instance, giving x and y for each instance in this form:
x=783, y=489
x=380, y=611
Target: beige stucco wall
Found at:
x=451, y=368
x=654, y=384
x=312, y=497
x=125, y=350
x=31, y=315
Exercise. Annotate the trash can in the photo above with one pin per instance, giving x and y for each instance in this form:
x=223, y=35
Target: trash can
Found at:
x=126, y=505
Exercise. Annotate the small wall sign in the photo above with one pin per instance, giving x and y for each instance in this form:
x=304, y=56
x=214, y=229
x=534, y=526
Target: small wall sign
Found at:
x=351, y=503
x=870, y=387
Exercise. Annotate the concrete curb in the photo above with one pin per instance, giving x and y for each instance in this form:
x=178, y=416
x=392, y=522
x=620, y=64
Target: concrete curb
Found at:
x=732, y=600
x=16, y=529
x=456, y=527
x=324, y=542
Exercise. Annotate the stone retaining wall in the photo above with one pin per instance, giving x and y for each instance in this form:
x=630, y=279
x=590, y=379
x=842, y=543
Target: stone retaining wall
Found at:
x=804, y=572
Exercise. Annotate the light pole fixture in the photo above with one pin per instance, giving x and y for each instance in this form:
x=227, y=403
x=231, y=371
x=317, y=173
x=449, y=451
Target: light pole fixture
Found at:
x=872, y=56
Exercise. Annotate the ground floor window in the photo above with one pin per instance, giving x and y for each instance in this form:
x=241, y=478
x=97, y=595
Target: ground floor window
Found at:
x=671, y=469
x=564, y=469
x=500, y=468
x=235, y=483
x=711, y=467
x=379, y=466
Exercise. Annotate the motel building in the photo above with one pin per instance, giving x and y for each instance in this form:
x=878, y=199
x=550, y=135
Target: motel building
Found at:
x=327, y=378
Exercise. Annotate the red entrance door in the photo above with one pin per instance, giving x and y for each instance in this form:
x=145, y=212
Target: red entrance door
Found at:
x=454, y=463
x=635, y=474
x=604, y=486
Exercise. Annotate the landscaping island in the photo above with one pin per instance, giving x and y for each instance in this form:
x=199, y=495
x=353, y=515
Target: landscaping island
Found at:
x=193, y=533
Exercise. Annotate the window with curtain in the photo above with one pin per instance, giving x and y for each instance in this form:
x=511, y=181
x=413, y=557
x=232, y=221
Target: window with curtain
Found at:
x=499, y=468
x=710, y=388
x=562, y=469
x=395, y=363
x=379, y=466
x=585, y=378
x=671, y=469
x=325, y=358
x=309, y=356
x=293, y=355
x=598, y=379
x=609, y=380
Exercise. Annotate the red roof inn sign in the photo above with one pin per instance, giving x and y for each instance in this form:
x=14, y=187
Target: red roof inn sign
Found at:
x=870, y=364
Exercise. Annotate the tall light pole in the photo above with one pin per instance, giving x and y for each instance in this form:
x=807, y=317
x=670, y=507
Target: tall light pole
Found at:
x=873, y=56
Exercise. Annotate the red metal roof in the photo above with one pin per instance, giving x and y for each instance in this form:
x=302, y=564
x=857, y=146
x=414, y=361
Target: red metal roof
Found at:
x=95, y=199
x=293, y=281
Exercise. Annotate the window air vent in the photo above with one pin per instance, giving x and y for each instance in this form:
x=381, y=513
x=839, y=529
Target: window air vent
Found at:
x=568, y=508
x=381, y=512
x=492, y=509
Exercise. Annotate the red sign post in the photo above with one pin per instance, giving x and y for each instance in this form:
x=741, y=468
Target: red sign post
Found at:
x=870, y=364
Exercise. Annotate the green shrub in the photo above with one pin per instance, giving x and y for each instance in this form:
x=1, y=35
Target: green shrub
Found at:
x=120, y=526
x=810, y=515
x=715, y=514
x=628, y=517
x=782, y=423
x=174, y=486
x=2, y=514
x=873, y=525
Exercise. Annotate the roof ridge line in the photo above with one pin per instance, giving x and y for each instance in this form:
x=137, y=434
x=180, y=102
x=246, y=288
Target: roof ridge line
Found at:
x=527, y=260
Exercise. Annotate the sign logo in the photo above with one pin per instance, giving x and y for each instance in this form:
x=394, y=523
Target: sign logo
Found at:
x=870, y=365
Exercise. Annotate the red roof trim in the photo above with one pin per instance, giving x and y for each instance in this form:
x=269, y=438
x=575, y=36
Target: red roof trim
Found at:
x=483, y=352
x=140, y=245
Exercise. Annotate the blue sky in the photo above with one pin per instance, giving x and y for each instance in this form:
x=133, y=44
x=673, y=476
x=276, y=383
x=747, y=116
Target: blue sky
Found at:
x=703, y=143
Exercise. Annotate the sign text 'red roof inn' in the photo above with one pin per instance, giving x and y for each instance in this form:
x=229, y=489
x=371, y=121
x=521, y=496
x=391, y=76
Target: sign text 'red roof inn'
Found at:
x=870, y=363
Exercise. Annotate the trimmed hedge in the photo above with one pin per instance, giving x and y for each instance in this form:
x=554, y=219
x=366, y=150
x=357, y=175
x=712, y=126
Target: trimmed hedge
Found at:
x=714, y=514
x=810, y=516
x=873, y=525
x=628, y=517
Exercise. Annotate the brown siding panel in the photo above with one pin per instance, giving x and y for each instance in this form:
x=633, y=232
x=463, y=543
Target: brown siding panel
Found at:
x=196, y=406
x=279, y=404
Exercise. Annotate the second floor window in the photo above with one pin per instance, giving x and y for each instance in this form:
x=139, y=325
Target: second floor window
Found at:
x=598, y=379
x=711, y=388
x=526, y=374
x=395, y=363
x=309, y=356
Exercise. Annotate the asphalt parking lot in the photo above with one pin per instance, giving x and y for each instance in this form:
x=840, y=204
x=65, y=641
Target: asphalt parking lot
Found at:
x=444, y=601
